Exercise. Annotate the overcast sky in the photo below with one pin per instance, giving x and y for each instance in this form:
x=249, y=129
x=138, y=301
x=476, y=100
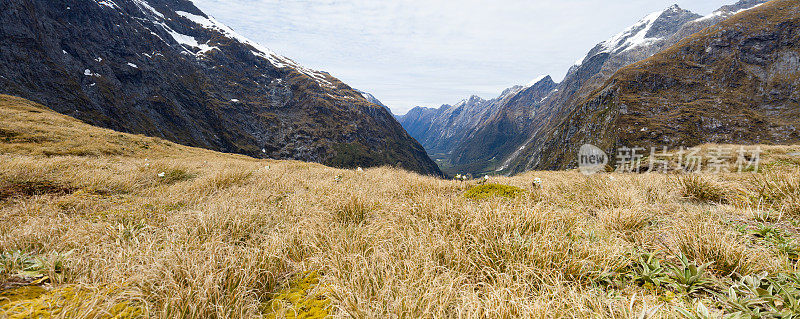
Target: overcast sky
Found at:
x=433, y=52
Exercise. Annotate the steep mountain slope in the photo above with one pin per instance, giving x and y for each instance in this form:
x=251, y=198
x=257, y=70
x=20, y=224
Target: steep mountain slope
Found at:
x=499, y=133
x=442, y=130
x=442, y=126
x=498, y=139
x=372, y=99
x=734, y=82
x=505, y=140
x=165, y=69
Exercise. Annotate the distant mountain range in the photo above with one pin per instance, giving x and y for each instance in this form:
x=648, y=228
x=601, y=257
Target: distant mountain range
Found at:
x=164, y=68
x=541, y=126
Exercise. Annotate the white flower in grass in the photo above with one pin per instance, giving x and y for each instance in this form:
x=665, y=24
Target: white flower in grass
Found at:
x=162, y=174
x=266, y=167
x=359, y=169
x=537, y=182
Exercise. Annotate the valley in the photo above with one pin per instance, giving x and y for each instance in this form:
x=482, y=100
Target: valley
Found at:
x=101, y=224
x=155, y=163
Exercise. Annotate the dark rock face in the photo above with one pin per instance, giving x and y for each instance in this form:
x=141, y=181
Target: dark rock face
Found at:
x=163, y=68
x=737, y=81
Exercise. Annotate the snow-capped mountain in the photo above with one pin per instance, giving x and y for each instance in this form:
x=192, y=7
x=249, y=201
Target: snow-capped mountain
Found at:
x=645, y=33
x=507, y=140
x=732, y=83
x=164, y=68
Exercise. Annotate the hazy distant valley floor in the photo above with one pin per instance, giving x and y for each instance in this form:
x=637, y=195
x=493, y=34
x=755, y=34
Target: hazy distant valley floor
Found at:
x=99, y=224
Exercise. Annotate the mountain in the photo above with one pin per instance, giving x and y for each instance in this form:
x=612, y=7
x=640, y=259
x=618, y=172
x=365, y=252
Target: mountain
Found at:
x=648, y=36
x=503, y=142
x=164, y=68
x=440, y=126
x=499, y=133
x=372, y=99
x=735, y=82
x=439, y=130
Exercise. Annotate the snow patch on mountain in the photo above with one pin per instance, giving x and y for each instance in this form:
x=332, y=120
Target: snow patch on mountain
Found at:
x=145, y=7
x=634, y=36
x=725, y=14
x=107, y=3
x=275, y=59
x=579, y=62
x=185, y=40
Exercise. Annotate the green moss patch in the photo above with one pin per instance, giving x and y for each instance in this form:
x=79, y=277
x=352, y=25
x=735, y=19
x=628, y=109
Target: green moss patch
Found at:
x=67, y=301
x=299, y=300
x=493, y=190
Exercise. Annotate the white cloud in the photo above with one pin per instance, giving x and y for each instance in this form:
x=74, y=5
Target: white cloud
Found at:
x=432, y=52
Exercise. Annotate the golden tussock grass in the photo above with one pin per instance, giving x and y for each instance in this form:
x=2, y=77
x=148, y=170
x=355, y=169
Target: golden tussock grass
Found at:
x=226, y=236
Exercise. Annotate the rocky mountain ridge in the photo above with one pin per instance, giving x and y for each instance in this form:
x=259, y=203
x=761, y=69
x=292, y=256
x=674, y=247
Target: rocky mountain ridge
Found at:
x=166, y=69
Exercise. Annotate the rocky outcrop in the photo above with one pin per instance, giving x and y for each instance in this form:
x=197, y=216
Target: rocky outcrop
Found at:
x=164, y=68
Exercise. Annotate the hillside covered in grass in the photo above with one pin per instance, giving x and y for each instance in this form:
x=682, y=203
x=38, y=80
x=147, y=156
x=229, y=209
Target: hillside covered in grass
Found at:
x=101, y=224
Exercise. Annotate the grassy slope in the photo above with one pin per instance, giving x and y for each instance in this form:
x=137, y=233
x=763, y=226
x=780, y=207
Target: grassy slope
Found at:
x=232, y=237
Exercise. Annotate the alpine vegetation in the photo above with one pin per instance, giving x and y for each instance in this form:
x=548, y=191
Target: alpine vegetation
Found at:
x=89, y=231
x=154, y=163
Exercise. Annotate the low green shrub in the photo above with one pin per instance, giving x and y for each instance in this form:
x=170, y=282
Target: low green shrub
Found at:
x=487, y=191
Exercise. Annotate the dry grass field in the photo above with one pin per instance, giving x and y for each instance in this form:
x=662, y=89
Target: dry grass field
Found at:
x=100, y=224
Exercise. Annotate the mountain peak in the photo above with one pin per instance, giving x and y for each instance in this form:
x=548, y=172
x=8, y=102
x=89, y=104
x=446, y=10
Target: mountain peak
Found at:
x=674, y=8
x=649, y=29
x=473, y=99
